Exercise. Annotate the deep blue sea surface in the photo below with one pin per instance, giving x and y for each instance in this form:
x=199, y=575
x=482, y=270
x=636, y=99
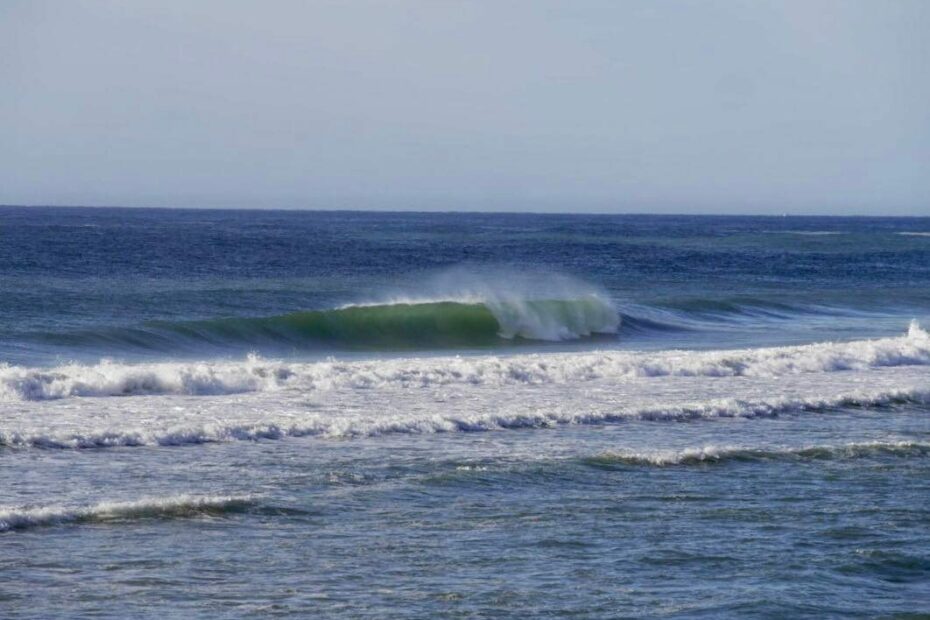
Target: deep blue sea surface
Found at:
x=230, y=414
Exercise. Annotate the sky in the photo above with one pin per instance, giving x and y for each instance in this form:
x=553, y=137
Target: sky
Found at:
x=709, y=106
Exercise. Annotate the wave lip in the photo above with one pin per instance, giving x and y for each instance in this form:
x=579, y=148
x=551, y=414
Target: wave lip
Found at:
x=178, y=506
x=721, y=454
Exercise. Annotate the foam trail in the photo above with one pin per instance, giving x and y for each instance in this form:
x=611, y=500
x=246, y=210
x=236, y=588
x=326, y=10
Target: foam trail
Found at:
x=427, y=422
x=721, y=454
x=255, y=374
x=177, y=506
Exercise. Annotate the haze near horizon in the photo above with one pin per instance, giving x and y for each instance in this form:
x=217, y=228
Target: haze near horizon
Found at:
x=687, y=107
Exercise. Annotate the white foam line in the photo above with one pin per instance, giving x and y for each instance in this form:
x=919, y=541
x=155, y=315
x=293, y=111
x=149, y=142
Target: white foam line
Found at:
x=470, y=421
x=255, y=374
x=715, y=454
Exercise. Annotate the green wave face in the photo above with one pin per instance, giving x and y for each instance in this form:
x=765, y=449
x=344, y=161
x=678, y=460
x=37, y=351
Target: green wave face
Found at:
x=443, y=324
x=414, y=325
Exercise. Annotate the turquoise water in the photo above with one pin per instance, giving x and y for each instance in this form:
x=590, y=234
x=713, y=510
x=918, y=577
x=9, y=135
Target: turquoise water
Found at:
x=250, y=414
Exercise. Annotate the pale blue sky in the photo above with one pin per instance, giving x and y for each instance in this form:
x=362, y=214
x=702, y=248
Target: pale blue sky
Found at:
x=656, y=106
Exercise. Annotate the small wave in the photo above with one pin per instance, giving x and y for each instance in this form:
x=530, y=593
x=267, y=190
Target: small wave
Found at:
x=178, y=506
x=914, y=234
x=696, y=311
x=808, y=233
x=643, y=323
x=721, y=454
x=256, y=374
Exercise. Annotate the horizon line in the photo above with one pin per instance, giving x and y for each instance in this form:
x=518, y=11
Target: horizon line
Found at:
x=459, y=211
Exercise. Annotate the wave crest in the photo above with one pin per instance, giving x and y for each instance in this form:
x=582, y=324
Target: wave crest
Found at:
x=178, y=506
x=706, y=455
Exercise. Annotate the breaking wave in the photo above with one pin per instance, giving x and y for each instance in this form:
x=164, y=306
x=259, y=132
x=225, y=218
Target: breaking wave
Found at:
x=178, y=506
x=256, y=374
x=391, y=326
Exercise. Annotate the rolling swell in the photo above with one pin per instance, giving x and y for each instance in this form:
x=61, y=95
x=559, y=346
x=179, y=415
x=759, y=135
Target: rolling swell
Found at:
x=470, y=321
x=413, y=325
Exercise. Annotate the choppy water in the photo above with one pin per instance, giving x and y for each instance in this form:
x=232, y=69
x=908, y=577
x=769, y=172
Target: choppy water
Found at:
x=241, y=414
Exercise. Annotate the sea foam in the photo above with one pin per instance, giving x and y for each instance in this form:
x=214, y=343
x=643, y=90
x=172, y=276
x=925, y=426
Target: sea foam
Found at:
x=90, y=429
x=255, y=374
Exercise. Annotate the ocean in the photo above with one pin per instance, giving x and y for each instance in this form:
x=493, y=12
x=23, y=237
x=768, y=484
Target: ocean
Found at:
x=232, y=414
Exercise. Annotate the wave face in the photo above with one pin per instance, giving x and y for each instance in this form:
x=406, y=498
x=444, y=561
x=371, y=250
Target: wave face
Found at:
x=178, y=506
x=391, y=326
x=256, y=374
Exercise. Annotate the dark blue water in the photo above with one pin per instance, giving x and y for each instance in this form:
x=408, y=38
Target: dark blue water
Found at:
x=69, y=273
x=232, y=414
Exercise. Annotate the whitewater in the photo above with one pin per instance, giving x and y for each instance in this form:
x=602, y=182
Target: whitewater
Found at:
x=256, y=374
x=111, y=404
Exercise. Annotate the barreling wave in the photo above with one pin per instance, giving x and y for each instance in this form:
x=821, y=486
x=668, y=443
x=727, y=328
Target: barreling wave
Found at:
x=390, y=326
x=706, y=455
x=174, y=507
x=256, y=374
